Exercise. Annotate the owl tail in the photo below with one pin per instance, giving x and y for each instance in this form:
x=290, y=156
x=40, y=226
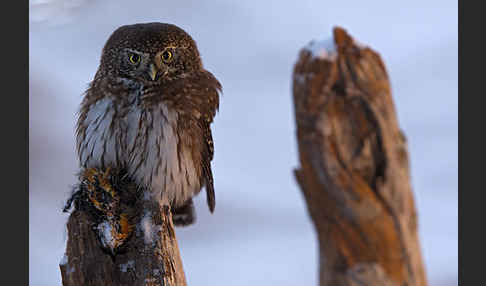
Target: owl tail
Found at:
x=210, y=196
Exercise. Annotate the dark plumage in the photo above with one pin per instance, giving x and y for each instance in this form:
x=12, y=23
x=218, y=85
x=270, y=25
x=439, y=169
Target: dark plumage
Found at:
x=148, y=111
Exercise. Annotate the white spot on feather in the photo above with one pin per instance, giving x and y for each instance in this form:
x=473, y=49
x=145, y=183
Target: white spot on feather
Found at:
x=144, y=140
x=98, y=120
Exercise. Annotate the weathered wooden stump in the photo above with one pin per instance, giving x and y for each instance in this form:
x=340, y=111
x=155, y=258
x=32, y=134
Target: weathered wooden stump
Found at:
x=118, y=237
x=354, y=171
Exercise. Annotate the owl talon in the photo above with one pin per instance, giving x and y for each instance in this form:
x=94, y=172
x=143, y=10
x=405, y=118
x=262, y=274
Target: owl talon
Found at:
x=184, y=215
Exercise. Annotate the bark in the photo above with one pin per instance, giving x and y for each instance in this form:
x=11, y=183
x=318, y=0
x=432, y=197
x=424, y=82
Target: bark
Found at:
x=354, y=170
x=143, y=248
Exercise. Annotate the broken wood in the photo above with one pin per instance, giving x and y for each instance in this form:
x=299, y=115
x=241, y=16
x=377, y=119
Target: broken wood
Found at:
x=117, y=236
x=354, y=170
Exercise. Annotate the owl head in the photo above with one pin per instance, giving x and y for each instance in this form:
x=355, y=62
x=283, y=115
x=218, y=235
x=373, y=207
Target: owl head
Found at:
x=149, y=52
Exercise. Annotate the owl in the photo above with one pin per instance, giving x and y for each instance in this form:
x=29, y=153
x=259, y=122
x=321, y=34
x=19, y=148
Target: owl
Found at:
x=148, y=112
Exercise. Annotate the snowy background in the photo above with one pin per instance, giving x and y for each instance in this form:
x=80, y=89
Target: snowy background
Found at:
x=260, y=233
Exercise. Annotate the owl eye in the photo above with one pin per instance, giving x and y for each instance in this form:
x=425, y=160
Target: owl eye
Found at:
x=134, y=58
x=167, y=56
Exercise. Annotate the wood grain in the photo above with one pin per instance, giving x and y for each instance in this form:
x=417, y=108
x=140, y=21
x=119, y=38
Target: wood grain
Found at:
x=150, y=255
x=354, y=170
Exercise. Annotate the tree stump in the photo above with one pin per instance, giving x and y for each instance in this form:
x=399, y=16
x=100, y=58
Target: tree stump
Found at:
x=354, y=170
x=117, y=236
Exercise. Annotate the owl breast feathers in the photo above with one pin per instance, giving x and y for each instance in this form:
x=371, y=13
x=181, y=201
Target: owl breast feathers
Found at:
x=148, y=111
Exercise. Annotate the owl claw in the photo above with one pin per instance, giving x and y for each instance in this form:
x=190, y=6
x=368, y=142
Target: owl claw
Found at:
x=184, y=215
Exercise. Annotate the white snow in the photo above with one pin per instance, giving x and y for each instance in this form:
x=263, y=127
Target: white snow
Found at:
x=105, y=233
x=300, y=78
x=147, y=227
x=71, y=269
x=64, y=260
x=126, y=266
x=359, y=44
x=322, y=49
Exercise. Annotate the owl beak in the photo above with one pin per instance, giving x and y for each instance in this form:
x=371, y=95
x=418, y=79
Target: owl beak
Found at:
x=153, y=72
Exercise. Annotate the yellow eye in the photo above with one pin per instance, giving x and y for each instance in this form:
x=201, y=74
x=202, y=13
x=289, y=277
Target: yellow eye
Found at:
x=134, y=58
x=167, y=56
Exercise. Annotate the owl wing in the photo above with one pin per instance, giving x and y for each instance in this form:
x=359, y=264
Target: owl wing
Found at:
x=208, y=106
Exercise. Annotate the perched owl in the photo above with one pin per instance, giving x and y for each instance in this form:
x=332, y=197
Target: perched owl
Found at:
x=148, y=111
